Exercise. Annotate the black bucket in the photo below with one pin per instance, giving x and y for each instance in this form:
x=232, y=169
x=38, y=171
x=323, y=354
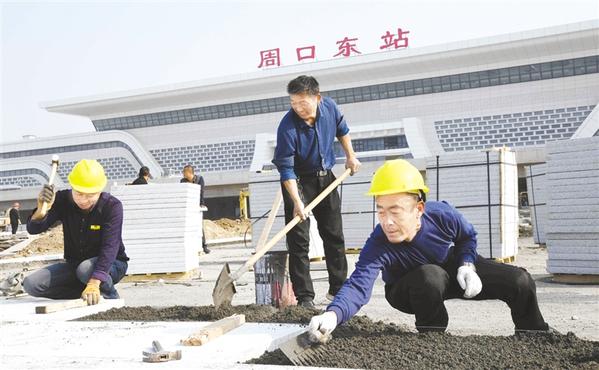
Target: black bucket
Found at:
x=270, y=273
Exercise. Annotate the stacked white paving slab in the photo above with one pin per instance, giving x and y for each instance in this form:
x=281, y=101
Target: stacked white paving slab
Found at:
x=162, y=226
x=536, y=185
x=483, y=186
x=573, y=203
x=357, y=209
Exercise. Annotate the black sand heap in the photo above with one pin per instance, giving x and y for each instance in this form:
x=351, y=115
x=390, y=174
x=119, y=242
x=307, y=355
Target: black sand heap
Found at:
x=364, y=344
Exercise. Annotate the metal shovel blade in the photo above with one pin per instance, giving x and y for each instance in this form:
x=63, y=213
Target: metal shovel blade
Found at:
x=224, y=290
x=301, y=350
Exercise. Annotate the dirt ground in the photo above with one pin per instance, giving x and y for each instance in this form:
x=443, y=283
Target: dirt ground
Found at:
x=362, y=343
x=226, y=228
x=49, y=242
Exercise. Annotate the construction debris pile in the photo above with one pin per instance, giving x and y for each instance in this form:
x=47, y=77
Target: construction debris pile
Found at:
x=50, y=242
x=226, y=228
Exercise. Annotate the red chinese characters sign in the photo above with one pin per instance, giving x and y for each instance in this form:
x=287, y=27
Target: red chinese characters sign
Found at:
x=346, y=48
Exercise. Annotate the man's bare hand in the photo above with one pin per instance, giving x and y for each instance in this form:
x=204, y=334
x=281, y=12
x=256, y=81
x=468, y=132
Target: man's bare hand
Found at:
x=353, y=164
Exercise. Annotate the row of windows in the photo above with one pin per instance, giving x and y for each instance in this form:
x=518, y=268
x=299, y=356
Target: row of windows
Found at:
x=472, y=80
x=371, y=144
x=22, y=172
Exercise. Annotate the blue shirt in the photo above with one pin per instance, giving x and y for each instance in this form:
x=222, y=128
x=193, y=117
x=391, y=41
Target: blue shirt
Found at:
x=87, y=235
x=302, y=148
x=442, y=227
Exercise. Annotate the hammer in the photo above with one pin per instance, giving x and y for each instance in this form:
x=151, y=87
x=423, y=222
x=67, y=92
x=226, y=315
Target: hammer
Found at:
x=160, y=355
x=51, y=180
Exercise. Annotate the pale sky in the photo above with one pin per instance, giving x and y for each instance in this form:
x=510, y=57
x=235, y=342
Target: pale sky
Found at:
x=53, y=50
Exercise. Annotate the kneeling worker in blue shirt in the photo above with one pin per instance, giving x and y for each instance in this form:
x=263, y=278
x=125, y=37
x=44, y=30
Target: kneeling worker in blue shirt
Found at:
x=427, y=253
x=92, y=223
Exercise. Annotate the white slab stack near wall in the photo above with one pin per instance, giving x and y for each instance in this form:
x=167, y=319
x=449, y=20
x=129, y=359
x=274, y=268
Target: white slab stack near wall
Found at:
x=536, y=183
x=263, y=187
x=356, y=208
x=573, y=204
x=479, y=185
x=162, y=226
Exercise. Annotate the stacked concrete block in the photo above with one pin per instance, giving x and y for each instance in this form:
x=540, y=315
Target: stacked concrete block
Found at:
x=357, y=209
x=263, y=188
x=483, y=186
x=573, y=206
x=536, y=185
x=162, y=226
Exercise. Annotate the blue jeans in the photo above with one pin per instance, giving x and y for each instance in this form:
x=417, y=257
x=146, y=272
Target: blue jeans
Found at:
x=66, y=280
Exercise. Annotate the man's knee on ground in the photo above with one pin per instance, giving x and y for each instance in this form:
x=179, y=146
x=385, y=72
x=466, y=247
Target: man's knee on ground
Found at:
x=85, y=269
x=33, y=286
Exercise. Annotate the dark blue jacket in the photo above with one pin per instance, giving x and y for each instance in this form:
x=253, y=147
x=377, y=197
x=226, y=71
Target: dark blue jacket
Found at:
x=443, y=230
x=198, y=180
x=302, y=148
x=87, y=235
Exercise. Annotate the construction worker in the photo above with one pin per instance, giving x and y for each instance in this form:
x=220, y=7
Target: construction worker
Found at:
x=427, y=253
x=190, y=176
x=142, y=177
x=92, y=222
x=15, y=218
x=304, y=156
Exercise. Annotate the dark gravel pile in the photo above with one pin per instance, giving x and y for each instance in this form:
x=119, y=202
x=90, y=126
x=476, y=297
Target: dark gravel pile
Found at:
x=362, y=343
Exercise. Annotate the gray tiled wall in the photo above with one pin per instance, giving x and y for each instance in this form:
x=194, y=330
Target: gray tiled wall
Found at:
x=512, y=129
x=22, y=181
x=228, y=156
x=115, y=167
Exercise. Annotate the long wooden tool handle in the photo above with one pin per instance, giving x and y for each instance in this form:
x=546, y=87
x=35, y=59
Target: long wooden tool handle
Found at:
x=289, y=226
x=271, y=219
x=50, y=182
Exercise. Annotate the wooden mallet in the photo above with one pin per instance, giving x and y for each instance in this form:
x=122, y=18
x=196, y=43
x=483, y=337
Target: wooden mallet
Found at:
x=51, y=180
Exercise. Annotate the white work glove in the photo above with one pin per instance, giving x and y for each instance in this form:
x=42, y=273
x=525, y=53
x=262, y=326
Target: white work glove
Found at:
x=469, y=281
x=322, y=326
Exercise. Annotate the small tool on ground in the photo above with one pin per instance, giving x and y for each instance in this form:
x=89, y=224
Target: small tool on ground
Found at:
x=302, y=351
x=51, y=180
x=224, y=290
x=160, y=355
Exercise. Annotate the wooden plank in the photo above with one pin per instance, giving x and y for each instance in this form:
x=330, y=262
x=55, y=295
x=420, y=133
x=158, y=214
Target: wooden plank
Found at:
x=214, y=330
x=64, y=305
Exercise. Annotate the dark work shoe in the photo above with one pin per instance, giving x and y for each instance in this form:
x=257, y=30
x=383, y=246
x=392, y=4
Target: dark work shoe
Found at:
x=111, y=295
x=544, y=332
x=308, y=303
x=206, y=250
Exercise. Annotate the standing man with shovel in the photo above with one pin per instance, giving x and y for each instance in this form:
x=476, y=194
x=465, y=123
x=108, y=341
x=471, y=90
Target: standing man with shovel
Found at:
x=304, y=156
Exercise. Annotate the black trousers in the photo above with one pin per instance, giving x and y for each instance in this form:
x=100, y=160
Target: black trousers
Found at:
x=423, y=290
x=330, y=227
x=14, y=227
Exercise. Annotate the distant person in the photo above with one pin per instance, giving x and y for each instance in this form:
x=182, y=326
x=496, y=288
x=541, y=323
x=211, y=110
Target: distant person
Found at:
x=15, y=218
x=190, y=176
x=142, y=177
x=92, y=223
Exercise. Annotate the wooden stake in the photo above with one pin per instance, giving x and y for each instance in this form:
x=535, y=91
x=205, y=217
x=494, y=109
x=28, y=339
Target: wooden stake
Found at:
x=214, y=330
x=65, y=305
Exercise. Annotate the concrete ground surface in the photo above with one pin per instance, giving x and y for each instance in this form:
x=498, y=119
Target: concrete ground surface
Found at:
x=58, y=344
x=566, y=307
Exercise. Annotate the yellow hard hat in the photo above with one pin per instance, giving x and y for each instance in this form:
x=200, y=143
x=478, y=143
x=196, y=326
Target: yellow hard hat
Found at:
x=397, y=176
x=88, y=176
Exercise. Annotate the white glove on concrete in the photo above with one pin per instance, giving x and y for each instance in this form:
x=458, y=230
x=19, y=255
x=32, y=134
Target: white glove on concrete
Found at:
x=322, y=326
x=469, y=281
